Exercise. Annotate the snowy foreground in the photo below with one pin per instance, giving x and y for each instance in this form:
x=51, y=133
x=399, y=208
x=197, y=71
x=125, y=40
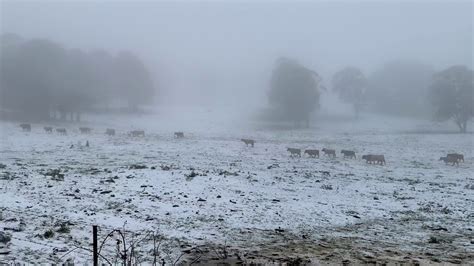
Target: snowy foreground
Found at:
x=209, y=198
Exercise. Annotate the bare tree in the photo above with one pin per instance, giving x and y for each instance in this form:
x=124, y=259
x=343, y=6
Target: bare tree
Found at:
x=134, y=82
x=452, y=94
x=350, y=84
x=400, y=88
x=294, y=90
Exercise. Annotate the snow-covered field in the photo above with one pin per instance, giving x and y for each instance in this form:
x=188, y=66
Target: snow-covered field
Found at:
x=209, y=196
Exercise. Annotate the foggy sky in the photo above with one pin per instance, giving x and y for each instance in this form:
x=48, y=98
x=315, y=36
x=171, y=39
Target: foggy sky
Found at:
x=192, y=45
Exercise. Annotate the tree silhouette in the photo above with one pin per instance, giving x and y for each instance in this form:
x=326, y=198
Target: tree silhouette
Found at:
x=30, y=75
x=452, y=94
x=400, y=88
x=40, y=78
x=350, y=84
x=133, y=80
x=294, y=90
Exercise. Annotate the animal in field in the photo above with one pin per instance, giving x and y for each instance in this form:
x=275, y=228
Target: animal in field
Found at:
x=248, y=142
x=48, y=129
x=61, y=131
x=329, y=152
x=110, y=132
x=348, y=154
x=312, y=153
x=377, y=159
x=459, y=157
x=137, y=133
x=451, y=159
x=294, y=152
x=179, y=135
x=85, y=130
x=25, y=127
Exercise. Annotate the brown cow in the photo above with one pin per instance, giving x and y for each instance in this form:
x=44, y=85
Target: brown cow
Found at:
x=137, y=133
x=48, y=129
x=25, y=127
x=294, y=152
x=451, y=159
x=459, y=157
x=348, y=154
x=329, y=152
x=110, y=132
x=312, y=153
x=379, y=159
x=85, y=130
x=248, y=142
x=61, y=131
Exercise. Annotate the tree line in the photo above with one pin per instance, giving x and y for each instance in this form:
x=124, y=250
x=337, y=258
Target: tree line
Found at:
x=40, y=80
x=397, y=88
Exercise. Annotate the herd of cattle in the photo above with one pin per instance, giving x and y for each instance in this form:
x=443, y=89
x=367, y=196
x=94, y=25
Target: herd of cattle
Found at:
x=453, y=158
x=369, y=158
x=87, y=130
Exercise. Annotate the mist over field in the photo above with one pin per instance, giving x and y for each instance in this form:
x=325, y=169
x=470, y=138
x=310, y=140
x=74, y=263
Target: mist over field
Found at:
x=207, y=132
x=222, y=53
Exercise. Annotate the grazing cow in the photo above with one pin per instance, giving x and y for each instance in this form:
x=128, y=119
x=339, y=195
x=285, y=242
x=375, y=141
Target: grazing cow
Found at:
x=451, y=159
x=110, y=131
x=349, y=154
x=312, y=153
x=294, y=152
x=48, y=129
x=137, y=133
x=26, y=127
x=459, y=157
x=61, y=131
x=370, y=158
x=248, y=142
x=179, y=135
x=85, y=130
x=329, y=152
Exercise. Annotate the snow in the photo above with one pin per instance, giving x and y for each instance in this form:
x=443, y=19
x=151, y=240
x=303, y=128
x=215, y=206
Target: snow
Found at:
x=246, y=190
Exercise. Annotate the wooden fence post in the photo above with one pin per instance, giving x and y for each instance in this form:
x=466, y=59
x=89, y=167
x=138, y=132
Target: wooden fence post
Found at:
x=94, y=245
